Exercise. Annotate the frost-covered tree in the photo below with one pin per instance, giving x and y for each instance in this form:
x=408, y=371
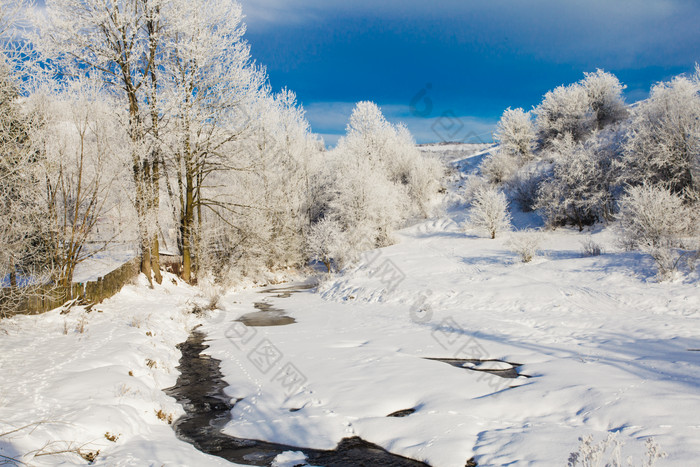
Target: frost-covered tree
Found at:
x=209, y=84
x=367, y=205
x=420, y=175
x=378, y=179
x=274, y=198
x=663, y=141
x=564, y=110
x=79, y=145
x=326, y=243
x=24, y=260
x=20, y=213
x=515, y=134
x=391, y=149
x=499, y=166
x=489, y=211
x=10, y=12
x=580, y=108
x=605, y=98
x=579, y=189
x=656, y=220
x=654, y=216
x=118, y=42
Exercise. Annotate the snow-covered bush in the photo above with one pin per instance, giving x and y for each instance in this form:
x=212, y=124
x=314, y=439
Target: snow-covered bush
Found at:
x=499, y=166
x=472, y=185
x=326, y=243
x=608, y=452
x=526, y=244
x=489, y=211
x=377, y=180
x=656, y=220
x=515, y=134
x=663, y=145
x=654, y=216
x=564, y=111
x=579, y=190
x=524, y=186
x=368, y=206
x=604, y=92
x=590, y=248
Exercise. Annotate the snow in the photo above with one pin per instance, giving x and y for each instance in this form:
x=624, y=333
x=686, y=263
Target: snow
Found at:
x=604, y=344
x=73, y=389
x=602, y=347
x=289, y=459
x=458, y=153
x=103, y=263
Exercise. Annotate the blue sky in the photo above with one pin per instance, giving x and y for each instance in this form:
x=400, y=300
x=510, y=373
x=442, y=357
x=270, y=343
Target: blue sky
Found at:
x=461, y=62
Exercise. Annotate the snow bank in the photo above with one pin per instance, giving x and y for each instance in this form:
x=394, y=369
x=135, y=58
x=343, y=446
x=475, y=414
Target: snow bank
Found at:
x=91, y=382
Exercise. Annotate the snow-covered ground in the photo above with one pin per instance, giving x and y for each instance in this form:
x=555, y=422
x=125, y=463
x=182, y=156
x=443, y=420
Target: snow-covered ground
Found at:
x=605, y=348
x=450, y=153
x=88, y=382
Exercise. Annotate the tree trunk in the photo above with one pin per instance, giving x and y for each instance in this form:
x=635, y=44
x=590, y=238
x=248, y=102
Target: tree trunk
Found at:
x=187, y=219
x=141, y=174
x=146, y=259
x=153, y=28
x=155, y=202
x=155, y=259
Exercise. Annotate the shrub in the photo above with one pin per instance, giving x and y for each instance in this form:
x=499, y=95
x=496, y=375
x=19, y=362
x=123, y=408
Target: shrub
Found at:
x=656, y=220
x=525, y=187
x=564, y=110
x=663, y=145
x=609, y=453
x=472, y=185
x=326, y=242
x=515, y=134
x=579, y=191
x=590, y=248
x=525, y=244
x=499, y=166
x=490, y=211
x=652, y=217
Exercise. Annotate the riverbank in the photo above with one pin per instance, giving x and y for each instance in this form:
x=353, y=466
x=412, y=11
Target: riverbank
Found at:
x=86, y=386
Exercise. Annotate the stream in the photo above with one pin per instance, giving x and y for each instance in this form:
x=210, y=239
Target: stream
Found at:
x=200, y=390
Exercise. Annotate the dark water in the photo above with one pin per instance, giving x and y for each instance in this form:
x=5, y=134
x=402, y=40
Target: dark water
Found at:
x=268, y=315
x=402, y=413
x=200, y=389
x=510, y=373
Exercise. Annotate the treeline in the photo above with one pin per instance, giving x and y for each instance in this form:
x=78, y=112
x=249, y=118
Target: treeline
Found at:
x=148, y=122
x=584, y=156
